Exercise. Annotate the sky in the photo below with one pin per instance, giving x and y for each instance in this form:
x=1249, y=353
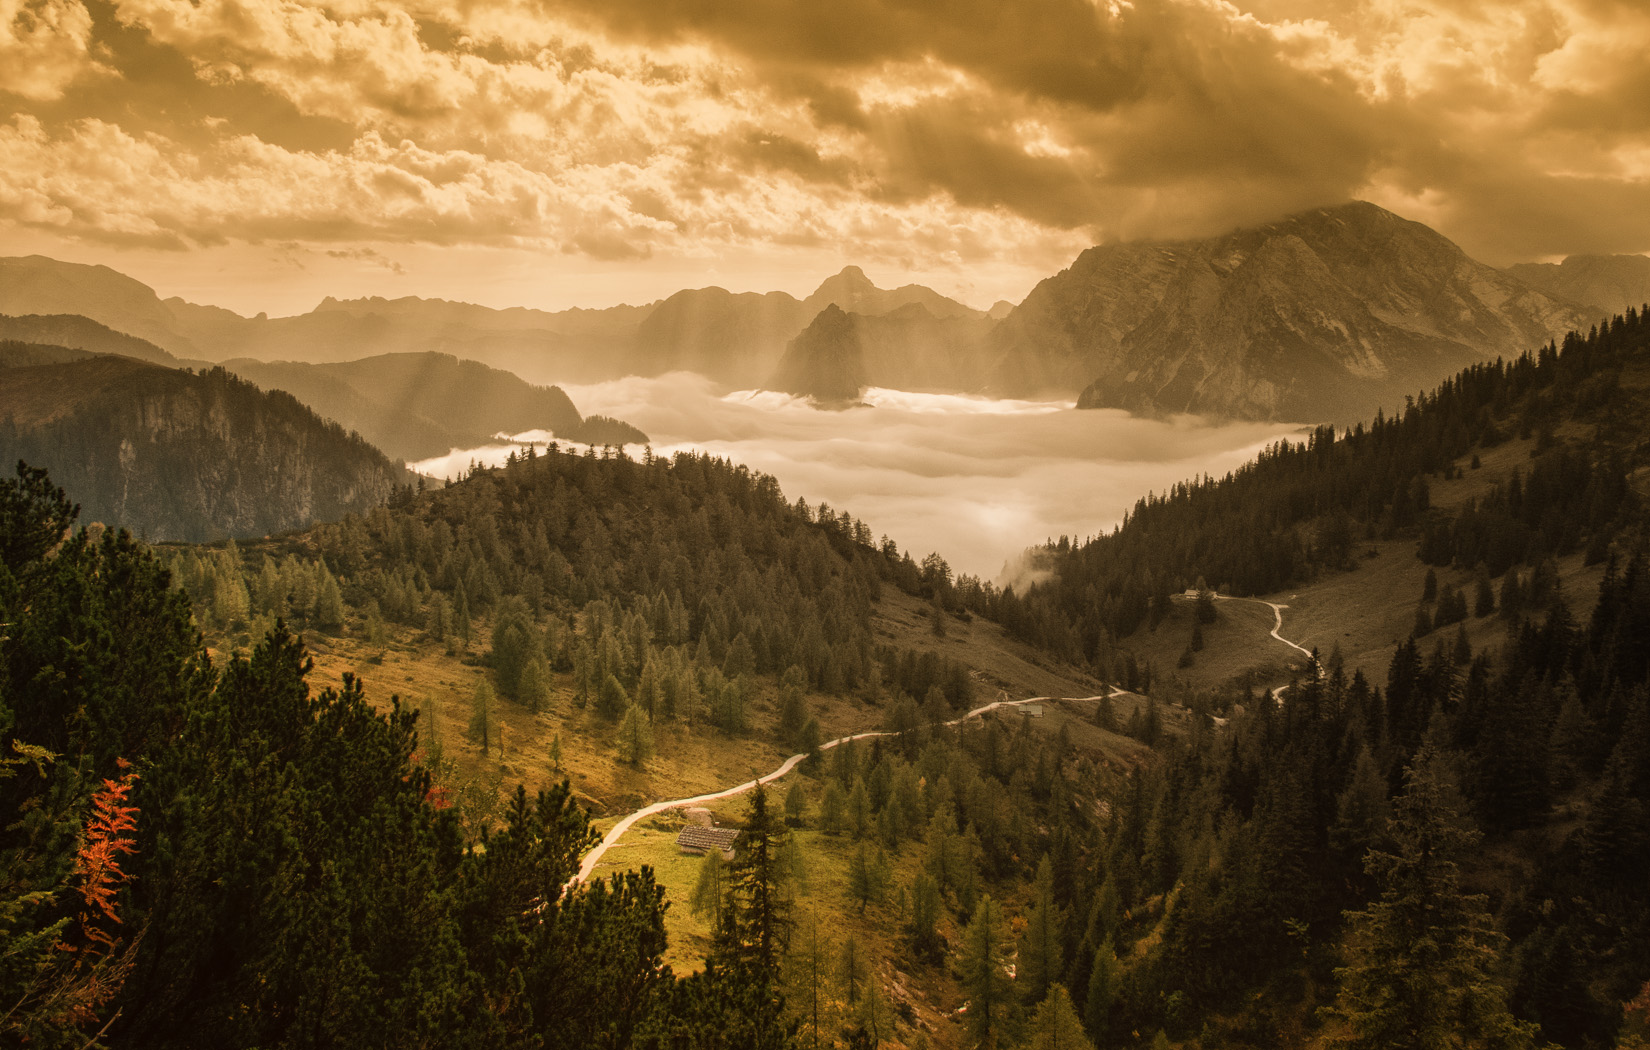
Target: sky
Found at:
x=260, y=154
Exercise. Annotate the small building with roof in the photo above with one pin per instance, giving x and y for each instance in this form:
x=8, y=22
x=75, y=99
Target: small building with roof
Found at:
x=698, y=841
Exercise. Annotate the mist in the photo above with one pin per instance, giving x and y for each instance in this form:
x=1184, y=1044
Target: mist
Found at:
x=975, y=479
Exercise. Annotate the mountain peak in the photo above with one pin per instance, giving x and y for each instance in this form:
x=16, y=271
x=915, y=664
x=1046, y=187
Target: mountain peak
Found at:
x=846, y=285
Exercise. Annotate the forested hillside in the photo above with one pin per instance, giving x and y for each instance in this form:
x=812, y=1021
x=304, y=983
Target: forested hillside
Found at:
x=1476, y=816
x=247, y=829
x=668, y=582
x=173, y=454
x=1301, y=508
x=203, y=856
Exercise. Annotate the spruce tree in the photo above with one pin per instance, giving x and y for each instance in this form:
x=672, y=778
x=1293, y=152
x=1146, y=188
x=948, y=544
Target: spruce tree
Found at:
x=1418, y=972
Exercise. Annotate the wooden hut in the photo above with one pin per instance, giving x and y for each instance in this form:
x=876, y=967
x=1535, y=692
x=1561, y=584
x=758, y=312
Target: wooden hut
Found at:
x=700, y=840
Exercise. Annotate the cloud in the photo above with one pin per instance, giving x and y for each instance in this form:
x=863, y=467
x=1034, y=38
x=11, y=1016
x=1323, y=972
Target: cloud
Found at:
x=975, y=480
x=44, y=47
x=929, y=135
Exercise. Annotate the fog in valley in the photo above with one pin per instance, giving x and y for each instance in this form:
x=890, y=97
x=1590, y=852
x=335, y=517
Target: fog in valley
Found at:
x=976, y=479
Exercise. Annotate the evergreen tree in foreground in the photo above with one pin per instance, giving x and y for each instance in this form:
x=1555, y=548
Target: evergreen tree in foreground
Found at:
x=1419, y=971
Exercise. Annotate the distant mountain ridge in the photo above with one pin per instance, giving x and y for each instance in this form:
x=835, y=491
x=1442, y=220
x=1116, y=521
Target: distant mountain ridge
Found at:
x=736, y=338
x=418, y=405
x=82, y=333
x=1611, y=283
x=1323, y=315
x=179, y=455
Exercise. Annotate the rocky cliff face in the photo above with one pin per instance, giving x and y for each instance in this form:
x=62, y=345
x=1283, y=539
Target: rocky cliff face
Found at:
x=1609, y=283
x=1323, y=315
x=175, y=455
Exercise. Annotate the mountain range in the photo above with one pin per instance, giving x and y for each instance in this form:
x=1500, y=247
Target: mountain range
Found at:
x=1320, y=316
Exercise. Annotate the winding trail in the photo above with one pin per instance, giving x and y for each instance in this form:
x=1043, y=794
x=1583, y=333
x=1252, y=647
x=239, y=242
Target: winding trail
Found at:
x=1277, y=625
x=617, y=831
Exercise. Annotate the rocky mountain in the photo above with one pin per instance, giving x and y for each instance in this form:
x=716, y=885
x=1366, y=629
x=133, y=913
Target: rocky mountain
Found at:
x=1609, y=283
x=419, y=405
x=840, y=354
x=1324, y=315
x=179, y=455
x=854, y=292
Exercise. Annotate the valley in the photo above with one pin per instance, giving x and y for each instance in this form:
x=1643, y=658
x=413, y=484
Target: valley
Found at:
x=1108, y=768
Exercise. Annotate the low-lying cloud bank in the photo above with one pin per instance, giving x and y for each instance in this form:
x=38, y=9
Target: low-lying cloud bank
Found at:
x=975, y=479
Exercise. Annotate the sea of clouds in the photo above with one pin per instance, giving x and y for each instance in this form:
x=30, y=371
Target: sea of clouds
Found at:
x=976, y=479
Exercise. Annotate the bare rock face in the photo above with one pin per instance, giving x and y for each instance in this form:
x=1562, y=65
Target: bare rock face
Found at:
x=1324, y=315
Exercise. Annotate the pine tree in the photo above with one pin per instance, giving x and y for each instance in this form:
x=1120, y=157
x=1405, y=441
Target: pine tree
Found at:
x=1418, y=967
x=796, y=804
x=534, y=689
x=809, y=967
x=793, y=710
x=923, y=929
x=761, y=913
x=865, y=878
x=851, y=969
x=612, y=701
x=983, y=970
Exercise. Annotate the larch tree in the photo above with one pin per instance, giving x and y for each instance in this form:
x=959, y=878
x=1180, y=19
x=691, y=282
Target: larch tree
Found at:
x=1056, y=1025
x=983, y=970
x=1040, y=958
x=483, y=730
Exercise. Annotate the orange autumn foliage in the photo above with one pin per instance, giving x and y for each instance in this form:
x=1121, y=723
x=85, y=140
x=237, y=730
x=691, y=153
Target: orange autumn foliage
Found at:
x=108, y=838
